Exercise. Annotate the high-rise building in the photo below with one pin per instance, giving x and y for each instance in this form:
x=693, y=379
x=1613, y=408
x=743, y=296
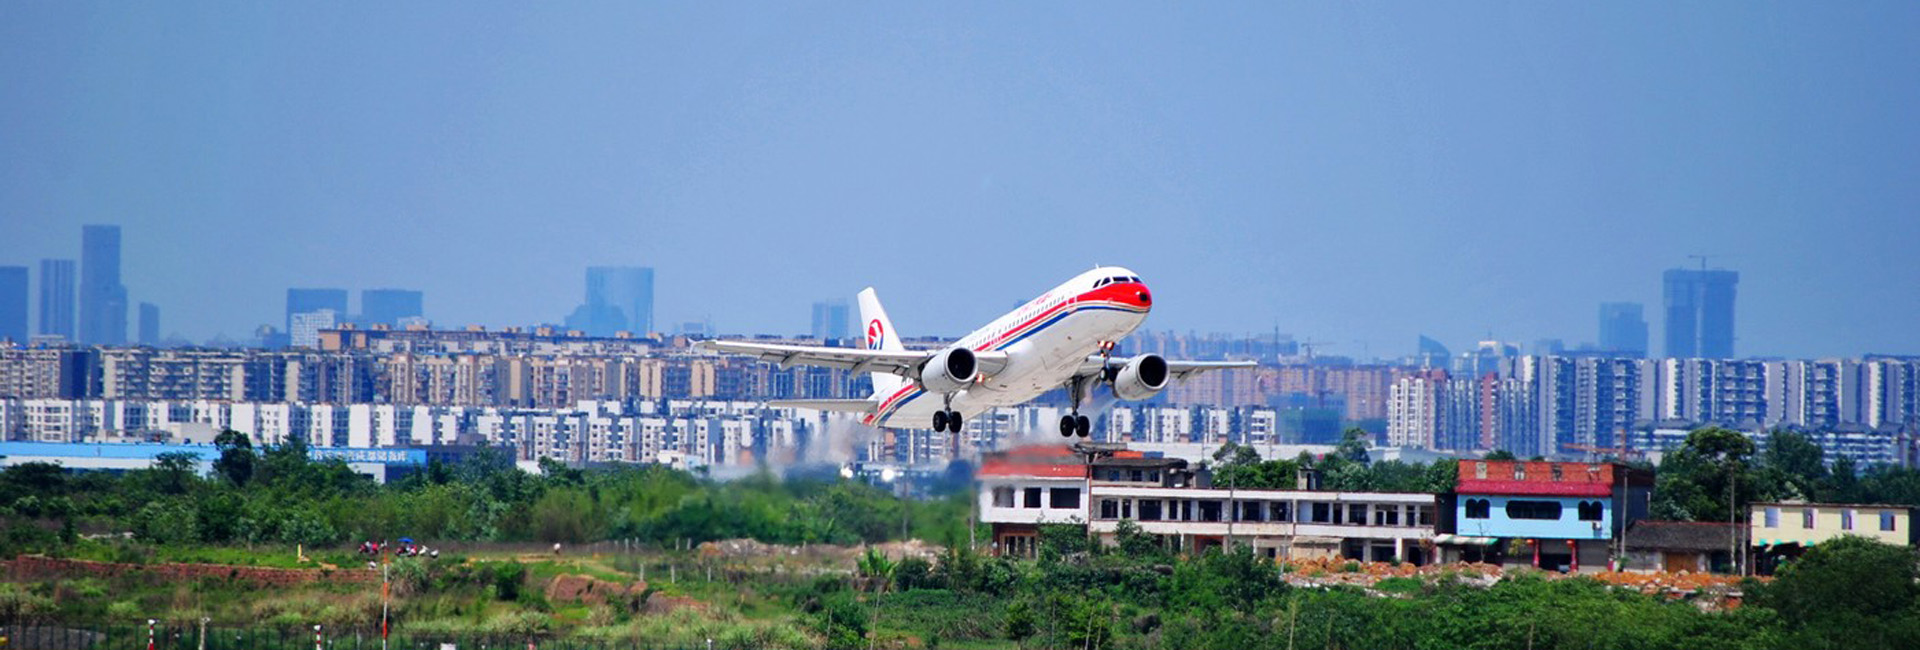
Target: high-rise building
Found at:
x=1623, y=329
x=1700, y=313
x=56, y=298
x=306, y=327
x=103, y=300
x=301, y=301
x=149, y=324
x=830, y=320
x=619, y=298
x=390, y=306
x=13, y=304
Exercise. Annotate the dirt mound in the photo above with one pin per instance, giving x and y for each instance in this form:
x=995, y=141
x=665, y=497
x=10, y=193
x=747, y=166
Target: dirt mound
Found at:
x=589, y=590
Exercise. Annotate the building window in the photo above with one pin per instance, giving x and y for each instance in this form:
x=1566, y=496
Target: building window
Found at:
x=1773, y=518
x=1322, y=513
x=1064, y=498
x=1480, y=470
x=1886, y=520
x=1423, y=515
x=1806, y=518
x=1252, y=511
x=1386, y=516
x=1209, y=510
x=1109, y=509
x=1150, y=510
x=1479, y=508
x=1278, y=511
x=1032, y=498
x=1543, y=510
x=1135, y=476
x=1590, y=511
x=1003, y=497
x=1846, y=519
x=1519, y=472
x=1126, y=508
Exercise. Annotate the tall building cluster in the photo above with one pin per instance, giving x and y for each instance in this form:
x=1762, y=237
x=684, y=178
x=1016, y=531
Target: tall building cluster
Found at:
x=1548, y=405
x=93, y=285
x=618, y=299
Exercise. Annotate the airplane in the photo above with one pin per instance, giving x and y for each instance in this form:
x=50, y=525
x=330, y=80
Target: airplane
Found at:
x=1064, y=338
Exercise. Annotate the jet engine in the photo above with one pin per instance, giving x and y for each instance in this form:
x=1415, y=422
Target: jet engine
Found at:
x=1143, y=377
x=949, y=371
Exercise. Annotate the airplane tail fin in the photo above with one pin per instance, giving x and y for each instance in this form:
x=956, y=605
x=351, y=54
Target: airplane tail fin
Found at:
x=880, y=335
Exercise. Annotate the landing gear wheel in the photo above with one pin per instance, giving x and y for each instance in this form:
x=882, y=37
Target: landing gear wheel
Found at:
x=939, y=420
x=1067, y=425
x=1084, y=425
x=954, y=421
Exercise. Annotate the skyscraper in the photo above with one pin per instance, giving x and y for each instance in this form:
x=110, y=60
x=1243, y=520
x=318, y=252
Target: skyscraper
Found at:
x=13, y=304
x=1700, y=313
x=56, y=298
x=1623, y=328
x=302, y=301
x=830, y=320
x=619, y=298
x=149, y=324
x=388, y=306
x=103, y=300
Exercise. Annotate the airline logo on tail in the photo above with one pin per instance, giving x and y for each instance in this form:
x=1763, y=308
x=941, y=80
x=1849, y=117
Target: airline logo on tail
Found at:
x=875, y=334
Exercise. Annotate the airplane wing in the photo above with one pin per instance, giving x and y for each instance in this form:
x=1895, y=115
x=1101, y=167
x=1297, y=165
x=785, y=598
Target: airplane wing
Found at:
x=1180, y=370
x=900, y=362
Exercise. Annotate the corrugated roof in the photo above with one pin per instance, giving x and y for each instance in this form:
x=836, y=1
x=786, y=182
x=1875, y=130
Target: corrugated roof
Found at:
x=1680, y=536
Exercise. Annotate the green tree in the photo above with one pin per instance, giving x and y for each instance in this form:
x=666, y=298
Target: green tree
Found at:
x=236, y=457
x=1850, y=592
x=1353, y=445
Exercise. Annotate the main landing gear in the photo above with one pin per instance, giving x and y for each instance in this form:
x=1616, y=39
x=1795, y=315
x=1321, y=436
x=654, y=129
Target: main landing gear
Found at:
x=948, y=420
x=1075, y=423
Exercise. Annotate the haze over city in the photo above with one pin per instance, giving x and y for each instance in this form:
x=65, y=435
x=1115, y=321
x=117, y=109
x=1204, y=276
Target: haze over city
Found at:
x=1355, y=174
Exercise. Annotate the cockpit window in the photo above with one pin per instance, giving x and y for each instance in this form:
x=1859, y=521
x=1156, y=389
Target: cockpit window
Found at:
x=1101, y=282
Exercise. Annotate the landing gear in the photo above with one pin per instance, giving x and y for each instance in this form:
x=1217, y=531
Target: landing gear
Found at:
x=1074, y=423
x=947, y=419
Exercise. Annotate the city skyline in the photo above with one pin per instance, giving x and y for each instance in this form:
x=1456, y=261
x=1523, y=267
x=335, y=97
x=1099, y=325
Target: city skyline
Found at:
x=1237, y=158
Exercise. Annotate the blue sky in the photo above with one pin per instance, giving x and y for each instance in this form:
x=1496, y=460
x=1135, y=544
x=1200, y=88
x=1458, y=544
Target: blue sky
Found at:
x=1356, y=173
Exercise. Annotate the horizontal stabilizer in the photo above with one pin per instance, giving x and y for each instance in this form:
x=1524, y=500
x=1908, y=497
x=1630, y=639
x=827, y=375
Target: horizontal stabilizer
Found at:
x=839, y=405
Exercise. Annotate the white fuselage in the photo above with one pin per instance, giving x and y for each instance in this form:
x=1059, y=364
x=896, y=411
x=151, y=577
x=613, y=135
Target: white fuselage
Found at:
x=1046, y=341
